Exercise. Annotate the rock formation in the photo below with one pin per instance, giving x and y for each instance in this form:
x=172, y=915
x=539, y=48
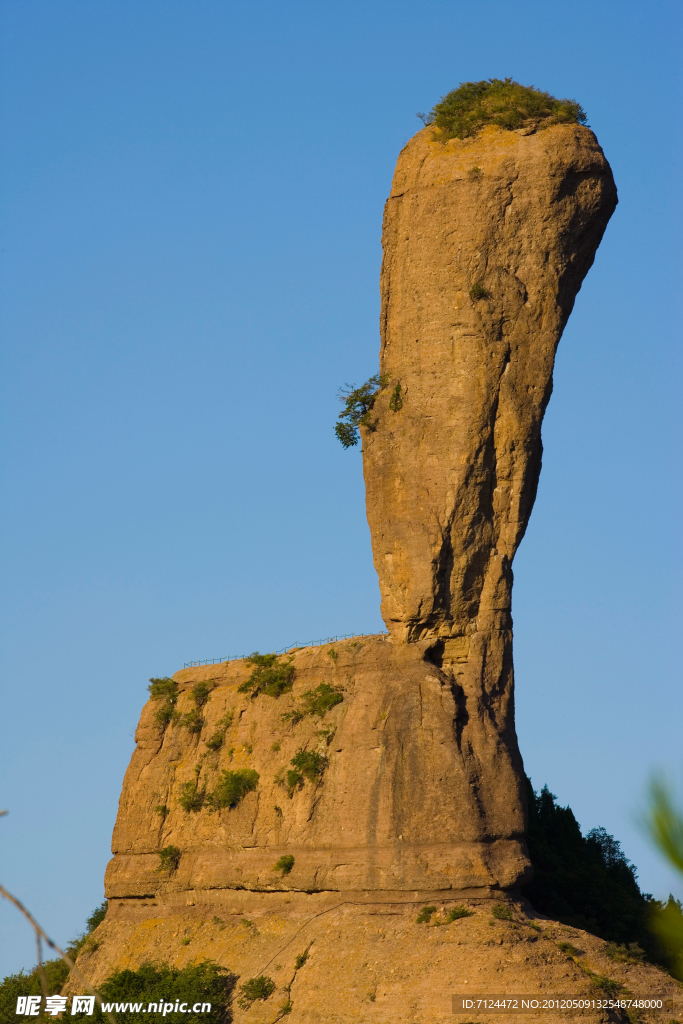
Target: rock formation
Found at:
x=413, y=787
x=486, y=243
x=373, y=963
x=396, y=809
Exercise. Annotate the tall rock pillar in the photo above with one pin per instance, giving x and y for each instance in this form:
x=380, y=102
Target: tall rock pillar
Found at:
x=486, y=242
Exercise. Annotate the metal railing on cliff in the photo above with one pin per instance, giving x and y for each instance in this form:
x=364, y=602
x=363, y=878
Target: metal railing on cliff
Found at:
x=291, y=647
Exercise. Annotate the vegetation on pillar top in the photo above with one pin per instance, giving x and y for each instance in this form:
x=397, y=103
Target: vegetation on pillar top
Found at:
x=500, y=101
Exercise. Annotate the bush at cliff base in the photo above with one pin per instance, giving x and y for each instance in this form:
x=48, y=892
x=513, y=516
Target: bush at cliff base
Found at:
x=23, y=984
x=587, y=882
x=197, y=983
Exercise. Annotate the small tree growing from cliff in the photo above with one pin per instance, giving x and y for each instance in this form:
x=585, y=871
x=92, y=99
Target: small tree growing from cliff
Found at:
x=500, y=101
x=358, y=404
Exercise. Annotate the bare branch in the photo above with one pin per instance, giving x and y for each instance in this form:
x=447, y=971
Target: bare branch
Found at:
x=40, y=934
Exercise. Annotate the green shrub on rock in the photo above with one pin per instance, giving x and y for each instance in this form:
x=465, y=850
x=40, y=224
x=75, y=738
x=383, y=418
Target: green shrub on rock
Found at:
x=256, y=988
x=463, y=111
x=200, y=693
x=216, y=740
x=269, y=676
x=315, y=702
x=233, y=787
x=204, y=984
x=425, y=915
x=307, y=765
x=165, y=690
x=193, y=721
x=284, y=864
x=56, y=972
x=169, y=859
x=191, y=796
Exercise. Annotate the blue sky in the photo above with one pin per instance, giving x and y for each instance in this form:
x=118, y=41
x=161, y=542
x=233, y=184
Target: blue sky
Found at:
x=192, y=198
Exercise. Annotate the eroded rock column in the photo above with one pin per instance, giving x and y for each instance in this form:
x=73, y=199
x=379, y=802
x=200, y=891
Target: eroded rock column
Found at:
x=486, y=243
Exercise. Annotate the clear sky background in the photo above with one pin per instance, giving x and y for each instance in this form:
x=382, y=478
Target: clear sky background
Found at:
x=192, y=197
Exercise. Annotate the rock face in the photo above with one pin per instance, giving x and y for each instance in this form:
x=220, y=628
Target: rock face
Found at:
x=403, y=804
x=372, y=962
x=486, y=243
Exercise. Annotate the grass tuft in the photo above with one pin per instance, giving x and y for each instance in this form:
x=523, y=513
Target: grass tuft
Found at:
x=568, y=948
x=284, y=864
x=477, y=291
x=256, y=988
x=301, y=959
x=455, y=913
x=631, y=954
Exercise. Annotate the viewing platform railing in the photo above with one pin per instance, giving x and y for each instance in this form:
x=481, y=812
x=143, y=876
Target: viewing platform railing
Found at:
x=292, y=647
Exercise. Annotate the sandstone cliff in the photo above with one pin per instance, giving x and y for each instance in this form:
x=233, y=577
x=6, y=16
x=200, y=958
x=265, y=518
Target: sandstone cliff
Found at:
x=396, y=809
x=371, y=962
